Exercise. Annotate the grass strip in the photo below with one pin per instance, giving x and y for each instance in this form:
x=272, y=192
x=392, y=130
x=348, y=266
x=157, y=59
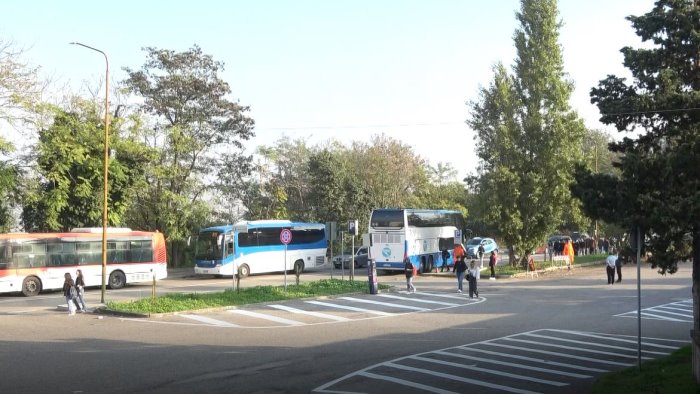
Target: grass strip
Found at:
x=177, y=302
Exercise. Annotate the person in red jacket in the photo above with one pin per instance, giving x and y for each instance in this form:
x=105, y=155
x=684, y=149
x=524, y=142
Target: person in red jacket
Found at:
x=457, y=254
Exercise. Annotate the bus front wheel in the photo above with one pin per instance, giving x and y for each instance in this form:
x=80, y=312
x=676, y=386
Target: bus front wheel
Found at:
x=117, y=280
x=31, y=286
x=243, y=271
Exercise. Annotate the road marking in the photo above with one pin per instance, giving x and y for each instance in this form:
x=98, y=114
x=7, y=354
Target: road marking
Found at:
x=267, y=317
x=588, y=343
x=490, y=371
x=535, y=360
x=595, y=360
x=413, y=308
x=660, y=312
x=459, y=379
x=576, y=348
x=351, y=308
x=310, y=313
x=417, y=300
x=210, y=321
x=514, y=365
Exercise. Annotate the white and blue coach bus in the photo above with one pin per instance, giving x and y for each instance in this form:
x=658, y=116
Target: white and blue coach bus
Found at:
x=419, y=234
x=254, y=247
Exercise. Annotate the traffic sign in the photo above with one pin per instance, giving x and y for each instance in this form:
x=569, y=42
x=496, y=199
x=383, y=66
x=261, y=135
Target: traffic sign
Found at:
x=286, y=236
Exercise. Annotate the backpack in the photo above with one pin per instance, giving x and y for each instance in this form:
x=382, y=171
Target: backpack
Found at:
x=72, y=293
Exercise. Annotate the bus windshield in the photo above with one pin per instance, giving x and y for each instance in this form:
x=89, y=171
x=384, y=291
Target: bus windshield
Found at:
x=387, y=218
x=208, y=246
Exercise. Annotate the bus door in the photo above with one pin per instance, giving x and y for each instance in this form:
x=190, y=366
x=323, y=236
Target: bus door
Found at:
x=229, y=252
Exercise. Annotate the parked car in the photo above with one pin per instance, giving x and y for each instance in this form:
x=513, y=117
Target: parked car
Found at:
x=473, y=246
x=360, y=258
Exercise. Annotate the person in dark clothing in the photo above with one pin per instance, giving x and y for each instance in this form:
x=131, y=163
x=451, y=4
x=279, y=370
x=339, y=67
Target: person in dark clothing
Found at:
x=80, y=285
x=473, y=276
x=618, y=268
x=409, y=271
x=445, y=256
x=460, y=269
x=492, y=264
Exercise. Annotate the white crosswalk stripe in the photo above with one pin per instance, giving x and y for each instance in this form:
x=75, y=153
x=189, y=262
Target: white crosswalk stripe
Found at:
x=681, y=311
x=266, y=317
x=498, y=365
x=310, y=313
x=209, y=321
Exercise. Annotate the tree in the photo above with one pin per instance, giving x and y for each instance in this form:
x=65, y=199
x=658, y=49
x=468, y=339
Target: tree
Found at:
x=193, y=123
x=527, y=135
x=659, y=186
x=69, y=160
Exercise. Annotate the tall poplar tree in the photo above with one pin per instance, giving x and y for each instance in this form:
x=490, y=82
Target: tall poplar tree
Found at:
x=528, y=137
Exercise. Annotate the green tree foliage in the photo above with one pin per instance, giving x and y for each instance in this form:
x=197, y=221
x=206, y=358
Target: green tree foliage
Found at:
x=659, y=187
x=528, y=137
x=197, y=132
x=70, y=158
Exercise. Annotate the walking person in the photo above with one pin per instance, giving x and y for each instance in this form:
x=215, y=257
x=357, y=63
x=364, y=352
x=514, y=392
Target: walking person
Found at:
x=445, y=256
x=409, y=270
x=610, y=268
x=492, y=264
x=569, y=252
x=457, y=254
x=69, y=292
x=618, y=267
x=460, y=269
x=473, y=278
x=80, y=285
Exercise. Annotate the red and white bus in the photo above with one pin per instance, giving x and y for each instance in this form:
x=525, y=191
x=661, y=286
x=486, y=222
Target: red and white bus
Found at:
x=32, y=262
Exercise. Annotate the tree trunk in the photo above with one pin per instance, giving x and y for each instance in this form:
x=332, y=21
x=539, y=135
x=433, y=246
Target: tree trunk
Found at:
x=695, y=332
x=511, y=257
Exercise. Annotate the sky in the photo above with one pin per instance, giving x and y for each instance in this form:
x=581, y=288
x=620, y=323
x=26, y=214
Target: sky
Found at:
x=341, y=70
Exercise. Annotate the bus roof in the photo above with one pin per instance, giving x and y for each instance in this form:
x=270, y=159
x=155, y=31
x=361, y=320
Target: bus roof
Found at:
x=245, y=225
x=417, y=210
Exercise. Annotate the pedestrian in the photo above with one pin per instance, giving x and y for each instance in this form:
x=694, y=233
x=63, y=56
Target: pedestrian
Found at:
x=481, y=252
x=69, y=292
x=492, y=264
x=618, y=267
x=610, y=267
x=460, y=269
x=409, y=270
x=80, y=285
x=457, y=254
x=569, y=251
x=473, y=278
x=445, y=256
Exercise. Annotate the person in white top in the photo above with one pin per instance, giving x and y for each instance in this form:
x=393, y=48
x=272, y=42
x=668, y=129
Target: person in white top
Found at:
x=610, y=267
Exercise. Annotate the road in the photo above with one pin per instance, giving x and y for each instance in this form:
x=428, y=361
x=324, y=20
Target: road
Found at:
x=552, y=334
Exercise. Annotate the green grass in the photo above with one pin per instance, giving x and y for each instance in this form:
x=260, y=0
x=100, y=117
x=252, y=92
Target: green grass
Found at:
x=668, y=375
x=177, y=302
x=505, y=269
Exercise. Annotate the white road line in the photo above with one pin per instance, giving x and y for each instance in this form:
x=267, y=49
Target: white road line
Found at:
x=689, y=310
x=620, y=339
x=588, y=343
x=266, y=317
x=210, y=321
x=456, y=297
x=310, y=313
x=514, y=365
x=576, y=348
x=417, y=300
x=490, y=371
x=414, y=385
x=459, y=378
x=413, y=308
x=536, y=360
x=350, y=308
x=560, y=354
x=661, y=309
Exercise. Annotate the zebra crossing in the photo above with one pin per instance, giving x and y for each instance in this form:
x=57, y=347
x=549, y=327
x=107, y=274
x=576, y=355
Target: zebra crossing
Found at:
x=540, y=361
x=680, y=311
x=296, y=313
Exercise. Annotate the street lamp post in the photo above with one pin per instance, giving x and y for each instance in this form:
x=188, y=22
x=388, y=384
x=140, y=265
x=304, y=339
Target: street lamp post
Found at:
x=106, y=171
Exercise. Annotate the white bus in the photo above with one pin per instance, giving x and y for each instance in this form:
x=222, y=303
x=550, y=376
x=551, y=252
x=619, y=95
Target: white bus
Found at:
x=255, y=247
x=32, y=262
x=419, y=234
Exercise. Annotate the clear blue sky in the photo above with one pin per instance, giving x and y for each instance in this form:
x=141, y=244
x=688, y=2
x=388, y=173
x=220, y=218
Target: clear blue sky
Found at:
x=333, y=69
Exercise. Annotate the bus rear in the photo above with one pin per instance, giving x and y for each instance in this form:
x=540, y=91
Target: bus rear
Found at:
x=387, y=233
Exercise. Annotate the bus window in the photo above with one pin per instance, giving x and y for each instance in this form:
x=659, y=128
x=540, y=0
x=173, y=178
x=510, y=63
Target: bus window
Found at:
x=229, y=244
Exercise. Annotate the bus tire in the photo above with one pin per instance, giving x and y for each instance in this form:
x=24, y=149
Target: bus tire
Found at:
x=298, y=267
x=31, y=286
x=117, y=280
x=431, y=264
x=243, y=271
